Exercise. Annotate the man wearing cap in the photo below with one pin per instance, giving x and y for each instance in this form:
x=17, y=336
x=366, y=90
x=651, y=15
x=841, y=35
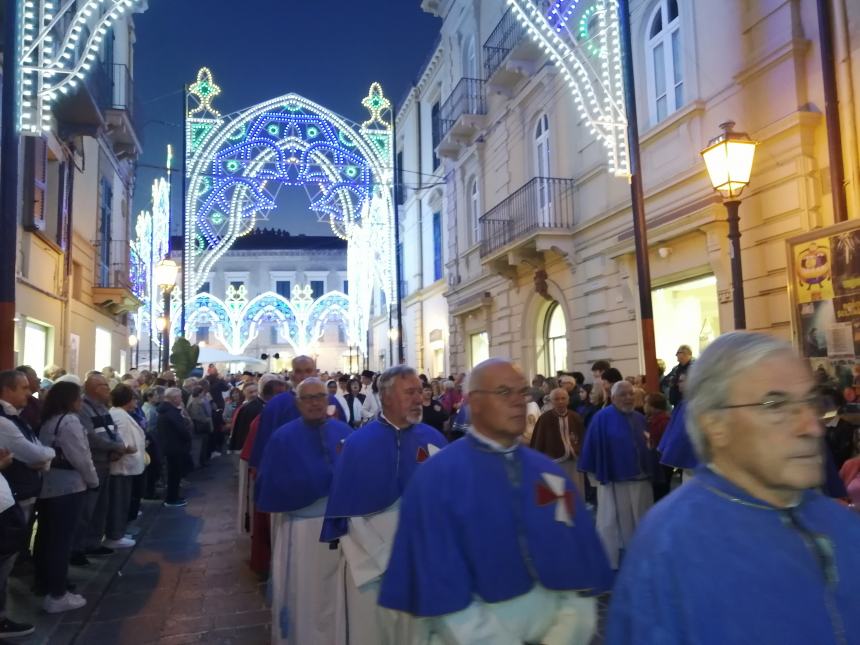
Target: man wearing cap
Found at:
x=749, y=551
x=670, y=381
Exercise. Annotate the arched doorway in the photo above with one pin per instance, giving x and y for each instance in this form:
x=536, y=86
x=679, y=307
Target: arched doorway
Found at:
x=552, y=340
x=235, y=165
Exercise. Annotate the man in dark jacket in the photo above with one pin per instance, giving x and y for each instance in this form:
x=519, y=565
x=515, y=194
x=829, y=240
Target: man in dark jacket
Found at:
x=174, y=433
x=669, y=383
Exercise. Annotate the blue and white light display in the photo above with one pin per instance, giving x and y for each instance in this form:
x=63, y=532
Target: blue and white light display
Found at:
x=236, y=164
x=582, y=39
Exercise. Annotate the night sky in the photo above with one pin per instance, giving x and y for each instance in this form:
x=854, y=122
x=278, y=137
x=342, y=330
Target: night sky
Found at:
x=329, y=51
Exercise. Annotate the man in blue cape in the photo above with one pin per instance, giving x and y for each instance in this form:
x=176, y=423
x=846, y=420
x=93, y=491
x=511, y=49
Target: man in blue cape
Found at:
x=675, y=448
x=615, y=454
x=747, y=551
x=377, y=462
x=495, y=544
x=293, y=484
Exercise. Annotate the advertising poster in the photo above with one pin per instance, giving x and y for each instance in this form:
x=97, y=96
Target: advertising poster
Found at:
x=812, y=271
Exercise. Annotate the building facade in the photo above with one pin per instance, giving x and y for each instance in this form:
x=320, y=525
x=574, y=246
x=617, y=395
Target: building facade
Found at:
x=540, y=264
x=272, y=260
x=73, y=293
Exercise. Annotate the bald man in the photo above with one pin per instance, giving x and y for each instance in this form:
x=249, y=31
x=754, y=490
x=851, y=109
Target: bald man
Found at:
x=494, y=543
x=558, y=434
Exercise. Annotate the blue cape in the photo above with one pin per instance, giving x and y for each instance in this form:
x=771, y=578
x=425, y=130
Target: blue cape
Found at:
x=279, y=411
x=711, y=564
x=675, y=447
x=467, y=529
x=615, y=449
x=298, y=465
x=376, y=464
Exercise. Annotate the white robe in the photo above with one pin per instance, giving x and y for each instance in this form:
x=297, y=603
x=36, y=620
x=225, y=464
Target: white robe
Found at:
x=620, y=507
x=365, y=552
x=304, y=579
x=245, y=498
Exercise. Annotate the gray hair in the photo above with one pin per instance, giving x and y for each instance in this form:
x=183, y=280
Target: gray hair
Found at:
x=172, y=392
x=387, y=378
x=189, y=382
x=617, y=386
x=311, y=380
x=710, y=379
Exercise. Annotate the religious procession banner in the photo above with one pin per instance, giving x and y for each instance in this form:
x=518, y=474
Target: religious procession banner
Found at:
x=824, y=290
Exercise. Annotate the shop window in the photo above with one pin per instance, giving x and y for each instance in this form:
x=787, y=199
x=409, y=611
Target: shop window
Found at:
x=663, y=61
x=479, y=348
x=686, y=313
x=103, y=350
x=36, y=352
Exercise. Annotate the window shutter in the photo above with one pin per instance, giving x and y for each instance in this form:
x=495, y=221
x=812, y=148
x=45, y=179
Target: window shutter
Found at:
x=35, y=183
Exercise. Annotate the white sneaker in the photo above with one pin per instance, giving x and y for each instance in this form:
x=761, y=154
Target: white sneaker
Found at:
x=122, y=543
x=68, y=602
x=215, y=454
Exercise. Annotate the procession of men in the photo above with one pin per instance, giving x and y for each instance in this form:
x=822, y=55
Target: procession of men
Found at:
x=394, y=533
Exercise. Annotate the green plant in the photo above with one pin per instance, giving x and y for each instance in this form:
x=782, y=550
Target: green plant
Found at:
x=184, y=357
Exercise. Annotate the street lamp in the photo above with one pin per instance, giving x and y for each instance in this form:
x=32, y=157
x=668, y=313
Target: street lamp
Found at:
x=165, y=274
x=729, y=159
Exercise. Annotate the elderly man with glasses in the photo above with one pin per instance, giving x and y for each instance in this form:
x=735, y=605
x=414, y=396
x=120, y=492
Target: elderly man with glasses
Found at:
x=293, y=484
x=495, y=544
x=749, y=550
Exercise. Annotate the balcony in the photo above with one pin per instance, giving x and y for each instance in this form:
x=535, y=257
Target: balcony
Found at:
x=509, y=54
x=112, y=288
x=122, y=112
x=534, y=219
x=461, y=117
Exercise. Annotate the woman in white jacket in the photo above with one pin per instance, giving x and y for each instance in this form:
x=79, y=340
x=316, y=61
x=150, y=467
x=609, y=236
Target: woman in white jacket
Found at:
x=125, y=469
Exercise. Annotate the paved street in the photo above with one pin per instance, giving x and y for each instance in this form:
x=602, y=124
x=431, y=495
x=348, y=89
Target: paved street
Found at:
x=185, y=582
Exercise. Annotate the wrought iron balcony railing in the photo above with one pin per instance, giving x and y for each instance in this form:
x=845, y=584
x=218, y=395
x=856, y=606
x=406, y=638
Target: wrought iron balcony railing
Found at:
x=113, y=265
x=468, y=97
x=123, y=96
x=544, y=203
x=507, y=34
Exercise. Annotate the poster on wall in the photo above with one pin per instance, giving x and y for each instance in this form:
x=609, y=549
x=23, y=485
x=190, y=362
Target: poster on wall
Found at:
x=74, y=353
x=824, y=291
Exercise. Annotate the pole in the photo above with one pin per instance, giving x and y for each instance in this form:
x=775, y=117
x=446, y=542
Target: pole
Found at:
x=401, y=354
x=738, y=303
x=182, y=210
x=165, y=365
x=831, y=112
x=640, y=228
x=9, y=142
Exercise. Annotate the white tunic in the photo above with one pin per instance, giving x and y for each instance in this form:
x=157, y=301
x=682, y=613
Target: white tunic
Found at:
x=620, y=507
x=304, y=579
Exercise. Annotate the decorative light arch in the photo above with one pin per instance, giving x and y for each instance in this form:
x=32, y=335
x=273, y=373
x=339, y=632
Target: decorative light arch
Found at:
x=236, y=164
x=582, y=38
x=58, y=45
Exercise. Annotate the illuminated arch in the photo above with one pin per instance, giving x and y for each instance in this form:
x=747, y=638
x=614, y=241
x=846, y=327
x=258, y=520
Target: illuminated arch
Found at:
x=237, y=163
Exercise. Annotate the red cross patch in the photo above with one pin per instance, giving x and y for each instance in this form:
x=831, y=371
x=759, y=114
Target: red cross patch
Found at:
x=554, y=490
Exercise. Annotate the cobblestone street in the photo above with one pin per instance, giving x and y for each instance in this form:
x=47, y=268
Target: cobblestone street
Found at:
x=185, y=582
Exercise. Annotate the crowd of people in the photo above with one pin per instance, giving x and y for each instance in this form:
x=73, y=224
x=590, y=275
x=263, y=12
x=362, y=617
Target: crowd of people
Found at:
x=396, y=509
x=485, y=509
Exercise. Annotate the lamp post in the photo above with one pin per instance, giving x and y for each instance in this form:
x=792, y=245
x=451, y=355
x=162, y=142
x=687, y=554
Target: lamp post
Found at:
x=729, y=159
x=166, y=273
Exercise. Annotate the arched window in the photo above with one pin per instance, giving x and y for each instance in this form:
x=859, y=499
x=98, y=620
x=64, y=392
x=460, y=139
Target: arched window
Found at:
x=555, y=340
x=474, y=195
x=664, y=61
x=470, y=58
x=542, y=167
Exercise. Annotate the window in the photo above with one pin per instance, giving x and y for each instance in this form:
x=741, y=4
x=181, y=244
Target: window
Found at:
x=436, y=130
x=36, y=346
x=474, y=195
x=317, y=288
x=470, y=59
x=103, y=349
x=663, y=58
x=282, y=288
x=437, y=246
x=554, y=340
x=542, y=167
x=400, y=188
x=35, y=183
x=346, y=287
x=479, y=348
x=105, y=212
x=203, y=334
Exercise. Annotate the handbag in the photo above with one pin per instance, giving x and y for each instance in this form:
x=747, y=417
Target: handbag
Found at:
x=60, y=461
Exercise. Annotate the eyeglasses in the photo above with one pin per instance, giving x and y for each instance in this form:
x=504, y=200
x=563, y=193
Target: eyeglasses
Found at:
x=313, y=397
x=504, y=392
x=783, y=410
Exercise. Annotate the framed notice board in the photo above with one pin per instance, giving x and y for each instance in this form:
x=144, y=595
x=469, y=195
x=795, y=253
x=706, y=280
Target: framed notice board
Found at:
x=824, y=292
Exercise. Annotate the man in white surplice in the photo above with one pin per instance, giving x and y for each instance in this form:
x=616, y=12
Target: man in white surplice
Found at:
x=293, y=484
